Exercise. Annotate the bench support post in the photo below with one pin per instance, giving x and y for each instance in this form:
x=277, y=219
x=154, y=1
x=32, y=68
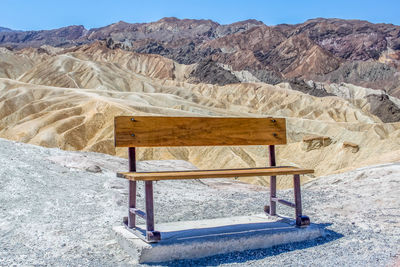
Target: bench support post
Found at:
x=297, y=197
x=300, y=219
x=149, y=206
x=132, y=189
x=272, y=181
x=151, y=235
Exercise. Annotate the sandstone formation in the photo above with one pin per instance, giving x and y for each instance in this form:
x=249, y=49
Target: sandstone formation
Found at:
x=315, y=142
x=353, y=147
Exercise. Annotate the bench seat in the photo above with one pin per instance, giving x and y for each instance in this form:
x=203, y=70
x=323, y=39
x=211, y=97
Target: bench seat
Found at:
x=200, y=174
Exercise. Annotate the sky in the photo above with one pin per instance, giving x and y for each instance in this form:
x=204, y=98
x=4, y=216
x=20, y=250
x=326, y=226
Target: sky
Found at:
x=51, y=14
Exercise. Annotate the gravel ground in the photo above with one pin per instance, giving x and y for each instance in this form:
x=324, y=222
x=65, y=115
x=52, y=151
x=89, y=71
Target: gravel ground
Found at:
x=57, y=208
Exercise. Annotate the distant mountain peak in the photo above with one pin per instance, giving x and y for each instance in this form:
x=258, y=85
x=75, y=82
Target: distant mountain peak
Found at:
x=169, y=19
x=3, y=29
x=121, y=22
x=249, y=21
x=185, y=21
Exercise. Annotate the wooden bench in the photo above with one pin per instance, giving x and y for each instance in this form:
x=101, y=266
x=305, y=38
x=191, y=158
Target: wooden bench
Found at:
x=155, y=131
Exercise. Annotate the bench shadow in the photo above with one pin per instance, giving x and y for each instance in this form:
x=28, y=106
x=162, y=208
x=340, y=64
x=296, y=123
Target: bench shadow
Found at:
x=238, y=230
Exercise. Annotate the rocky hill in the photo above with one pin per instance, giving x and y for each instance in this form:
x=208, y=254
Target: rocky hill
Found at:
x=67, y=98
x=326, y=50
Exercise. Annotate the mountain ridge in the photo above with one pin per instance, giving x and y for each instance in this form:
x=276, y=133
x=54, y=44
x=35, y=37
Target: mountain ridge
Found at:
x=325, y=50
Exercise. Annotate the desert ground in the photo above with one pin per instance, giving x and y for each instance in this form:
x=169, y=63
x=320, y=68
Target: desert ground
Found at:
x=59, y=208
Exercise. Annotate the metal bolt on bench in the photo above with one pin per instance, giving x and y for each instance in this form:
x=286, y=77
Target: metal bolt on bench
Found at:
x=157, y=131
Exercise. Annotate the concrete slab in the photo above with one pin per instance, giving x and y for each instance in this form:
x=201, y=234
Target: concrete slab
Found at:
x=198, y=239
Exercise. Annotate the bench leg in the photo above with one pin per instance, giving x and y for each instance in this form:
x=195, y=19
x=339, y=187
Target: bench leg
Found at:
x=149, y=206
x=271, y=209
x=132, y=189
x=132, y=204
x=300, y=219
x=272, y=186
x=151, y=235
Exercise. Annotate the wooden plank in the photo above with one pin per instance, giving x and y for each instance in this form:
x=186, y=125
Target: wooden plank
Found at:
x=156, y=131
x=225, y=173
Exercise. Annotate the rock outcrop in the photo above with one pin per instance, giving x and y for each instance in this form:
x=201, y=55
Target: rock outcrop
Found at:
x=384, y=108
x=210, y=72
x=353, y=147
x=315, y=142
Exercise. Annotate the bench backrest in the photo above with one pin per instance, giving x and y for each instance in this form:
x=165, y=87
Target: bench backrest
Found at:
x=157, y=131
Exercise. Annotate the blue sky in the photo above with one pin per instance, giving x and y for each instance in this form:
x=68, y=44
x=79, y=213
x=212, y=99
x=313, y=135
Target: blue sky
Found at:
x=50, y=14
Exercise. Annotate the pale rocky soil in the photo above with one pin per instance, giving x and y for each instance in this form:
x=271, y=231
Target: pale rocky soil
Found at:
x=57, y=209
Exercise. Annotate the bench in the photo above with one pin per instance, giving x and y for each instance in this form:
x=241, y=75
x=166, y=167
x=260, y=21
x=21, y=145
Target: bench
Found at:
x=157, y=131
